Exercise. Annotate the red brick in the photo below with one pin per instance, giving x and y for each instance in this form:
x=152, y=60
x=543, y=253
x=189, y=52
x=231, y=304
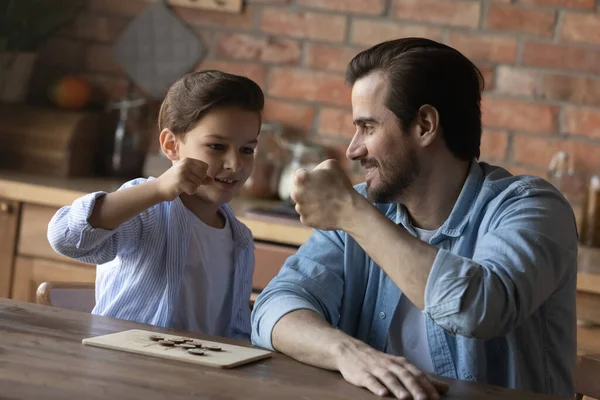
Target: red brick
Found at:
x=100, y=59
x=268, y=1
x=304, y=24
x=519, y=115
x=583, y=4
x=125, y=8
x=336, y=122
x=463, y=13
x=487, y=47
x=330, y=57
x=578, y=27
x=526, y=170
x=193, y=16
x=256, y=72
x=493, y=145
x=96, y=28
x=573, y=89
x=488, y=73
x=582, y=121
x=256, y=48
x=369, y=32
x=571, y=58
x=297, y=116
x=538, y=151
x=521, y=20
x=517, y=81
x=373, y=7
x=309, y=85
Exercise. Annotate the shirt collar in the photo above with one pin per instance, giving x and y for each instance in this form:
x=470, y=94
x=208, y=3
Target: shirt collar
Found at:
x=461, y=212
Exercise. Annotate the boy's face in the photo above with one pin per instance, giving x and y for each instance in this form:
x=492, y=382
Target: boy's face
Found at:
x=225, y=138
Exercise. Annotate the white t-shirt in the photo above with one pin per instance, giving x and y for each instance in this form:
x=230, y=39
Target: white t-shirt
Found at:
x=204, y=304
x=408, y=334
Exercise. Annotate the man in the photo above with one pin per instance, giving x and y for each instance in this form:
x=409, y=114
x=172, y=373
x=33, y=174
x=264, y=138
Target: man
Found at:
x=449, y=266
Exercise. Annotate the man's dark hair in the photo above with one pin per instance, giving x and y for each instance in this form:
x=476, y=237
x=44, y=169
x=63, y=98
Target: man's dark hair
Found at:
x=422, y=71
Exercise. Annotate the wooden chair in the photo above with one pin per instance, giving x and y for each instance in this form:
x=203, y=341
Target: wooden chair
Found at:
x=587, y=376
x=76, y=296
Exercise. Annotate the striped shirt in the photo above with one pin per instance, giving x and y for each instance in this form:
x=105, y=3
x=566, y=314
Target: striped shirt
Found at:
x=140, y=264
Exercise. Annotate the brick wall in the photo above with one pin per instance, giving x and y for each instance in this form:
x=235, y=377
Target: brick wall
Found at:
x=540, y=58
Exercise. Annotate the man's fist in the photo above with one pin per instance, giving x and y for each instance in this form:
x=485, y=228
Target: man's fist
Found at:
x=324, y=197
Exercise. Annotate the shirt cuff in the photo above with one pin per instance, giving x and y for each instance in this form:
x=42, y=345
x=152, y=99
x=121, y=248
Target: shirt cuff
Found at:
x=262, y=334
x=81, y=210
x=447, y=283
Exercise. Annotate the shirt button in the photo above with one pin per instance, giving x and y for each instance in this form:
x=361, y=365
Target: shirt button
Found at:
x=382, y=315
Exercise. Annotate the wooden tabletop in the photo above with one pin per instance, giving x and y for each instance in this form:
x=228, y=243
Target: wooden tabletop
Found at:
x=41, y=356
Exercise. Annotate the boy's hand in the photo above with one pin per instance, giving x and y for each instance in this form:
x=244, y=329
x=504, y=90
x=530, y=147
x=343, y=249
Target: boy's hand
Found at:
x=186, y=176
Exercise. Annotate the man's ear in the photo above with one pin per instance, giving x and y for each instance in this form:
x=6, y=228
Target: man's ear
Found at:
x=428, y=124
x=169, y=144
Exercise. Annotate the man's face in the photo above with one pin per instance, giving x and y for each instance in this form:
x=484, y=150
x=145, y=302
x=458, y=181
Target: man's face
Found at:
x=383, y=149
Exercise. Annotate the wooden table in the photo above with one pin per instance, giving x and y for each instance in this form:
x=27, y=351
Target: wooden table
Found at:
x=41, y=356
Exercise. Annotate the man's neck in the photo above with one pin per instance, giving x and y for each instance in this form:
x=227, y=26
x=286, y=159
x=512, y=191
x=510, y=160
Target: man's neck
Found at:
x=431, y=200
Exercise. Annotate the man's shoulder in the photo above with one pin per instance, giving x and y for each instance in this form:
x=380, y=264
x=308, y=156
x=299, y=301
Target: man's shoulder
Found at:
x=501, y=181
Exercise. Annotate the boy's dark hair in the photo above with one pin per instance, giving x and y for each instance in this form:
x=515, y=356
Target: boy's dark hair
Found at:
x=422, y=71
x=193, y=95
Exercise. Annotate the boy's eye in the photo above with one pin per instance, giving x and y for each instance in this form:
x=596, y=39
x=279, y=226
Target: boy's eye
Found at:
x=217, y=146
x=247, y=150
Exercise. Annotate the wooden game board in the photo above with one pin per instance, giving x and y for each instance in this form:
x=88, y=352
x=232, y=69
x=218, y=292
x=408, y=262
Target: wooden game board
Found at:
x=139, y=342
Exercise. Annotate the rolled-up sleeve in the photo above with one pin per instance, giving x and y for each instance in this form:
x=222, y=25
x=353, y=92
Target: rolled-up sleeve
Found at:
x=312, y=279
x=530, y=251
x=70, y=234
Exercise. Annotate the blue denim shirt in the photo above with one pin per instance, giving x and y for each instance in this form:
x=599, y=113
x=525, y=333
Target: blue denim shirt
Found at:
x=499, y=300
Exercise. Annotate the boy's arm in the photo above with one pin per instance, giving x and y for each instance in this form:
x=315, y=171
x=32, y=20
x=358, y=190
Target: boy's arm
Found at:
x=99, y=226
x=113, y=209
x=71, y=234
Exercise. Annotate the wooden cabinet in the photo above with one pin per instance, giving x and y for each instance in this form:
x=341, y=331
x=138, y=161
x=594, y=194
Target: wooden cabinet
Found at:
x=269, y=259
x=34, y=259
x=30, y=272
x=9, y=220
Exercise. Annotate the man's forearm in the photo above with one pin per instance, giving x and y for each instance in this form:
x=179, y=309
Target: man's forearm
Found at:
x=307, y=337
x=404, y=258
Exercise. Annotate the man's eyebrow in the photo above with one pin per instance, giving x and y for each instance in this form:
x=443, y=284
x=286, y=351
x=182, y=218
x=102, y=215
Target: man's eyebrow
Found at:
x=365, y=120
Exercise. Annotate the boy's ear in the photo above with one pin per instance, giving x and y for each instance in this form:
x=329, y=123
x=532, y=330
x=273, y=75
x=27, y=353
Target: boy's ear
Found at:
x=169, y=144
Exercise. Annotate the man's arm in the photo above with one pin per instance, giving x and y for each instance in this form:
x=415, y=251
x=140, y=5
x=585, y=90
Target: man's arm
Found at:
x=308, y=338
x=298, y=311
x=404, y=258
x=529, y=250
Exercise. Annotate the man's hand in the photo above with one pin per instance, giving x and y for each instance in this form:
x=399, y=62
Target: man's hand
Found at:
x=324, y=197
x=186, y=176
x=384, y=374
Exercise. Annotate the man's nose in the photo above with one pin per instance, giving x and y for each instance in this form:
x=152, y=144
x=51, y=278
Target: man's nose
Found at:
x=356, y=149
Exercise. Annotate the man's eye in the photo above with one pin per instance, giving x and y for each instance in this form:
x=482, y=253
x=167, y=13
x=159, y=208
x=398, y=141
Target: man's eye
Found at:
x=217, y=146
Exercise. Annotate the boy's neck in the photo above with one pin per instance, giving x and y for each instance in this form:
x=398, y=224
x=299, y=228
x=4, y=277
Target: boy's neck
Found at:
x=207, y=212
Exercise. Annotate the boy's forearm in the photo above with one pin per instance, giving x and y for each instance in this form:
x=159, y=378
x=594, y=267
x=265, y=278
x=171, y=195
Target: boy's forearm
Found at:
x=113, y=209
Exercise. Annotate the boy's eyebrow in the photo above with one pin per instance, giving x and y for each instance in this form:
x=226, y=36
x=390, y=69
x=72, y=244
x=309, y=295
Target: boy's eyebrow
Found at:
x=223, y=138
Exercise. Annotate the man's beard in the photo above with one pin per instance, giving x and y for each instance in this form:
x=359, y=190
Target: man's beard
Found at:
x=395, y=176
